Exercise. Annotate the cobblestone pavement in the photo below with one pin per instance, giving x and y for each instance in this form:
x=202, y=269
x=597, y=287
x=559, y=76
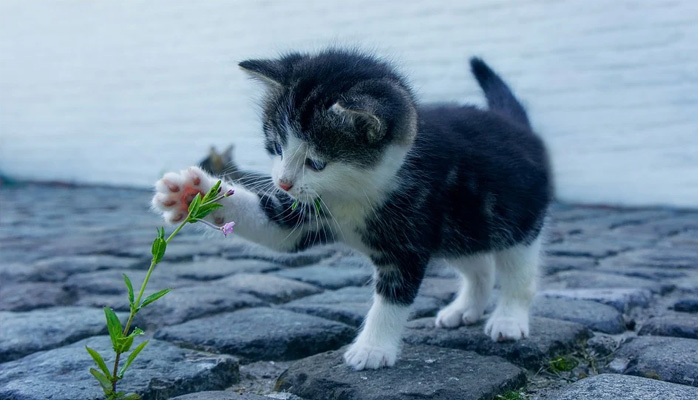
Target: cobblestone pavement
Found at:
x=616, y=317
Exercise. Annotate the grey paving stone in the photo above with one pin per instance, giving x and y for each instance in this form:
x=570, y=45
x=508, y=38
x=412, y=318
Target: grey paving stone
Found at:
x=211, y=268
x=688, y=305
x=665, y=358
x=260, y=334
x=554, y=264
x=268, y=287
x=177, y=251
x=594, y=247
x=656, y=257
x=220, y=395
x=672, y=324
x=422, y=372
x=548, y=338
x=597, y=280
x=112, y=281
x=311, y=256
x=186, y=303
x=25, y=296
x=13, y=272
x=160, y=371
x=346, y=271
x=623, y=299
x=59, y=268
x=23, y=333
x=663, y=227
x=602, y=345
x=351, y=304
x=440, y=288
x=593, y=315
x=117, y=302
x=623, y=387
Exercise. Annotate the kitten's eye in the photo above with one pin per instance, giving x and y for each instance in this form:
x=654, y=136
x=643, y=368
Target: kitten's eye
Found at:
x=315, y=165
x=277, y=148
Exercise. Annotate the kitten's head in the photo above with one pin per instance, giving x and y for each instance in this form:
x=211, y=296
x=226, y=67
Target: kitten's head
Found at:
x=335, y=122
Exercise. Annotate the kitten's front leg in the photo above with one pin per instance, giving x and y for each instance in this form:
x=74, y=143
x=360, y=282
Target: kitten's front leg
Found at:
x=264, y=222
x=378, y=344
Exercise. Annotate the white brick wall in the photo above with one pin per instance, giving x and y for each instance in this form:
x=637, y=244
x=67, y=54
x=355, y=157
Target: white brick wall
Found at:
x=119, y=91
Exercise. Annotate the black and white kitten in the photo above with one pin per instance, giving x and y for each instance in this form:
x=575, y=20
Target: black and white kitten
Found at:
x=401, y=183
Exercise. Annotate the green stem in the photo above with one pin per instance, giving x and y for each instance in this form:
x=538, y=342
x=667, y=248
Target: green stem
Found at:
x=134, y=310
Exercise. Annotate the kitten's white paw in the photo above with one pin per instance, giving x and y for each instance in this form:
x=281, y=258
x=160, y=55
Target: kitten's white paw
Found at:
x=175, y=191
x=361, y=356
x=453, y=316
x=504, y=326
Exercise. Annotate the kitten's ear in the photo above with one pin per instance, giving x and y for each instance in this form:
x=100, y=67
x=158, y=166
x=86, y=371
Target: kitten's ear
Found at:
x=363, y=121
x=228, y=153
x=271, y=72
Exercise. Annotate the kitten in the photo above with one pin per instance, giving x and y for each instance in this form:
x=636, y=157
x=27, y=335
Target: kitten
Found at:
x=401, y=183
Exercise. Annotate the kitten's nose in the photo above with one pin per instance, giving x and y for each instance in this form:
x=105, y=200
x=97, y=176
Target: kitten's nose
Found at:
x=285, y=185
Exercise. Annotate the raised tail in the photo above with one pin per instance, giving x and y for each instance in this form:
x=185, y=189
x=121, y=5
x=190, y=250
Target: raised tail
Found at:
x=499, y=96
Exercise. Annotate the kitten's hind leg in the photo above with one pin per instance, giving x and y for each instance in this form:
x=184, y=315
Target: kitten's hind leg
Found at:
x=477, y=280
x=517, y=269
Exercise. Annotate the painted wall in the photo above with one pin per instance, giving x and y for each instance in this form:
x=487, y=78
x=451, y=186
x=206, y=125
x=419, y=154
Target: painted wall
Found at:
x=119, y=91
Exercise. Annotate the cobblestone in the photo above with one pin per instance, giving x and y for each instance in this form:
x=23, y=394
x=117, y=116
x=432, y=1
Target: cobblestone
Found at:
x=677, y=325
x=619, y=293
x=268, y=287
x=548, y=339
x=425, y=373
x=664, y=358
x=619, y=387
x=260, y=334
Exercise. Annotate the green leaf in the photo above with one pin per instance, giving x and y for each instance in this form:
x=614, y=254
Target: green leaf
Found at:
x=126, y=342
x=161, y=232
x=132, y=396
x=213, y=192
x=294, y=205
x=194, y=205
x=131, y=357
x=317, y=206
x=154, y=297
x=206, y=209
x=158, y=250
x=104, y=382
x=130, y=290
x=99, y=361
x=114, y=326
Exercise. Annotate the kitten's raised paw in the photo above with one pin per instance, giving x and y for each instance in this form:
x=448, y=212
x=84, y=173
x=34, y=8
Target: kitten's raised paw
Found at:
x=362, y=357
x=507, y=327
x=175, y=191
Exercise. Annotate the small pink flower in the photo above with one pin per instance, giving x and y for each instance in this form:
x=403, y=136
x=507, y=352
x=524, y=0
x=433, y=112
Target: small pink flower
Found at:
x=228, y=228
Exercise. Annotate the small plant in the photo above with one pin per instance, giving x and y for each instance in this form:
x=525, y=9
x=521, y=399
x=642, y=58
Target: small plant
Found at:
x=121, y=339
x=562, y=364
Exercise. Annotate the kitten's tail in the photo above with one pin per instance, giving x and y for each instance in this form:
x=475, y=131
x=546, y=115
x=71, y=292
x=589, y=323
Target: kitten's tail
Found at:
x=499, y=96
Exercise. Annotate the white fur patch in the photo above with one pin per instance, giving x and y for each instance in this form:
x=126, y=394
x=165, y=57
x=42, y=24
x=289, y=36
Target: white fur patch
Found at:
x=517, y=269
x=378, y=344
